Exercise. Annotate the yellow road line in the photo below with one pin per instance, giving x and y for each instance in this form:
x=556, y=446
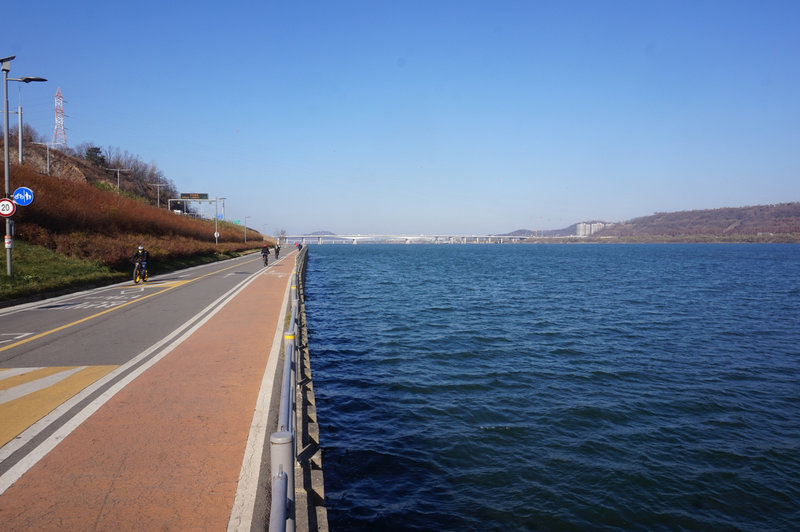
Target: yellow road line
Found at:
x=162, y=284
x=19, y=414
x=87, y=318
x=112, y=309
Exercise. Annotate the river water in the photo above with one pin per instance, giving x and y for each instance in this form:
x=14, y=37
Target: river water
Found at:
x=557, y=387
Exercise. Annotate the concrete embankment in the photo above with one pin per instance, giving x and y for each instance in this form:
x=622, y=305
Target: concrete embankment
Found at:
x=310, y=510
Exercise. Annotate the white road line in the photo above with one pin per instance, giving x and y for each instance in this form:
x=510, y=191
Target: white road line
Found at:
x=34, y=386
x=34, y=305
x=13, y=372
x=20, y=468
x=14, y=337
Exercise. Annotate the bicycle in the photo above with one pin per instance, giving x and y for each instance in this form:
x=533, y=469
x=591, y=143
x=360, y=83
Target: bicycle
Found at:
x=265, y=257
x=140, y=272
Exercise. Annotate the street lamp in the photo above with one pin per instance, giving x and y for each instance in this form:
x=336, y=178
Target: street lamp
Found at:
x=216, y=217
x=245, y=228
x=6, y=67
x=223, y=207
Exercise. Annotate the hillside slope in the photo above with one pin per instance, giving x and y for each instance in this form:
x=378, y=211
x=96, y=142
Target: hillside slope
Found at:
x=760, y=220
x=76, y=219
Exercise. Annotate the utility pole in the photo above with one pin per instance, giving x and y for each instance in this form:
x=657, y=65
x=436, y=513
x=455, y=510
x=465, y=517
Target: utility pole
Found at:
x=18, y=112
x=158, y=196
x=118, y=171
x=48, y=154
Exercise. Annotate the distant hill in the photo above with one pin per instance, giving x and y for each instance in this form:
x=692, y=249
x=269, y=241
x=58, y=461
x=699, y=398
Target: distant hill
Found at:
x=768, y=223
x=572, y=230
x=726, y=223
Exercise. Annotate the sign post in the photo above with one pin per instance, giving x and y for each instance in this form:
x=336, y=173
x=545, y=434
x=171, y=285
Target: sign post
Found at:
x=7, y=209
x=22, y=196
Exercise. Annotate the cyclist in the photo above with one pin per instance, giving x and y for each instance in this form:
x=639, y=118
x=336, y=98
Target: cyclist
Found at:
x=277, y=249
x=265, y=253
x=143, y=256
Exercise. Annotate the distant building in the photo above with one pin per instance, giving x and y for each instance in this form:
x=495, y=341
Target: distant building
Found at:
x=589, y=228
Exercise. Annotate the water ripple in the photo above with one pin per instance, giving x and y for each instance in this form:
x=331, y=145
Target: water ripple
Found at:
x=558, y=387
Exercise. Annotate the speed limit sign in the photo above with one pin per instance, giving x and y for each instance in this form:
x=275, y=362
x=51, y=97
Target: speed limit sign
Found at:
x=7, y=207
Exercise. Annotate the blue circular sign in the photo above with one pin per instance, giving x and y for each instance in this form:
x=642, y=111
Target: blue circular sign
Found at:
x=23, y=196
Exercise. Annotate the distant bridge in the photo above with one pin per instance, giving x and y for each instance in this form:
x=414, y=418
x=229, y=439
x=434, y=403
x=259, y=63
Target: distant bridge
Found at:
x=400, y=239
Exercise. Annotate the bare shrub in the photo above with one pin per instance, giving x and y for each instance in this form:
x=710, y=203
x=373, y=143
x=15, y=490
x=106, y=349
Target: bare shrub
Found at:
x=79, y=220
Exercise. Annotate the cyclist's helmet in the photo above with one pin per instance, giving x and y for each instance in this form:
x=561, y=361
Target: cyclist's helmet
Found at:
x=141, y=248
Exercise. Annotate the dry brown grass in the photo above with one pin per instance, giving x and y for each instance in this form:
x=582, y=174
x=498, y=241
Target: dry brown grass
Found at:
x=78, y=220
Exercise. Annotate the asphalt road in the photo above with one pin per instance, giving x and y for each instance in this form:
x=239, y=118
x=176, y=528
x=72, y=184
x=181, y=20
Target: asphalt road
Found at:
x=112, y=325
x=81, y=345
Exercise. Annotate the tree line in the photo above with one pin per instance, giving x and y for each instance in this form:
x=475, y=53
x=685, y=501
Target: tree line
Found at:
x=137, y=178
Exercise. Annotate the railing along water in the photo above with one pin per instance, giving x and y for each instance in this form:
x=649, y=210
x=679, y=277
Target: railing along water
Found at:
x=283, y=443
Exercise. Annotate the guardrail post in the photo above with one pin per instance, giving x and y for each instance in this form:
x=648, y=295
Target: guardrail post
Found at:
x=287, y=390
x=282, y=465
x=284, y=442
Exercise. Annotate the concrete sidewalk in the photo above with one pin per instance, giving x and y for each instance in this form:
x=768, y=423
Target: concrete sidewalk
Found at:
x=166, y=452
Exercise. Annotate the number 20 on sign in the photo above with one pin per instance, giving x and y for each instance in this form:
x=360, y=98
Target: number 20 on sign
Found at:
x=7, y=207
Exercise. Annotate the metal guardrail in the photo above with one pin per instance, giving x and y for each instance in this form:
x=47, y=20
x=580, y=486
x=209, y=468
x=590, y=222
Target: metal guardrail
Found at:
x=283, y=443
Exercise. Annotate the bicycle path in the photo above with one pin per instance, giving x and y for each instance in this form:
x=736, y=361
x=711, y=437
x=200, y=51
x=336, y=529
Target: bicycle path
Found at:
x=166, y=452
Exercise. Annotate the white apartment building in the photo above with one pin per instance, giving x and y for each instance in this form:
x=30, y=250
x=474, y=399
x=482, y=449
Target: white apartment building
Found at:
x=589, y=228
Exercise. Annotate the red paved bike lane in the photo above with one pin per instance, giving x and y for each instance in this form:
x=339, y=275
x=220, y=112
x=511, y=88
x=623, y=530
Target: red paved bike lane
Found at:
x=165, y=452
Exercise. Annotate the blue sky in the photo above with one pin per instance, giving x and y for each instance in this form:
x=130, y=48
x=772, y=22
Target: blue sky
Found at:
x=429, y=116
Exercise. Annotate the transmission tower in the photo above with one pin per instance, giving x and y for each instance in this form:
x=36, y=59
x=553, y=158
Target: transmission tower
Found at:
x=59, y=136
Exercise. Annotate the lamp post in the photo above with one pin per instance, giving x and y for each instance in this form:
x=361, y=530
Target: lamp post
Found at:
x=19, y=131
x=216, y=216
x=5, y=63
x=245, y=228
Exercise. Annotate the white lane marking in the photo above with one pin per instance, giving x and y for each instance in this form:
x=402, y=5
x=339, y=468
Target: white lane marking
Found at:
x=13, y=474
x=245, y=501
x=34, y=386
x=14, y=337
x=13, y=372
x=131, y=290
